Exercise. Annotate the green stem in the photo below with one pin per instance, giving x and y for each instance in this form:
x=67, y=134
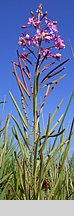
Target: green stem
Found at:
x=35, y=120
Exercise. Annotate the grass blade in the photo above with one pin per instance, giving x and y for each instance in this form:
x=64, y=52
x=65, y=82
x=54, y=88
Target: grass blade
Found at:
x=63, y=117
x=18, y=109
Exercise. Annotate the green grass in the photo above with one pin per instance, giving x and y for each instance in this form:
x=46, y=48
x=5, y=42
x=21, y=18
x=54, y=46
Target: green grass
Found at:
x=53, y=177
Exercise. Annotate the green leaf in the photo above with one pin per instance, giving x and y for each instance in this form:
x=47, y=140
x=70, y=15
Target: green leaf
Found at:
x=21, y=132
x=46, y=135
x=55, y=189
x=3, y=193
x=19, y=142
x=52, y=130
x=34, y=95
x=53, y=135
x=1, y=130
x=57, y=108
x=63, y=117
x=19, y=111
x=52, y=153
x=18, y=162
x=5, y=177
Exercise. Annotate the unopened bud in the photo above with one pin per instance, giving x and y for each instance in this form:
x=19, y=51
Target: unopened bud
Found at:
x=24, y=26
x=40, y=7
x=32, y=13
x=44, y=15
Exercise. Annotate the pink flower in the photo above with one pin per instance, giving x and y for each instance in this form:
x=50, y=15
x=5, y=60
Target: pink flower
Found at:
x=27, y=38
x=34, y=41
x=47, y=34
x=24, y=55
x=57, y=56
x=51, y=25
x=43, y=34
x=59, y=43
x=33, y=21
x=22, y=41
x=44, y=52
x=47, y=37
x=29, y=43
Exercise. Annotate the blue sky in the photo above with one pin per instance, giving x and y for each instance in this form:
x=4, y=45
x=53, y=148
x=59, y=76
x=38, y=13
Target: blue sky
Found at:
x=13, y=14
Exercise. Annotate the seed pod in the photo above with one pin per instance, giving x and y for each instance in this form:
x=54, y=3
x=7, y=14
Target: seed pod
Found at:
x=45, y=184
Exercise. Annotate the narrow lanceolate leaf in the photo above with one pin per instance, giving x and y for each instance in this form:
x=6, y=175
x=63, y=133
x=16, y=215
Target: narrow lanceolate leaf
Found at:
x=27, y=74
x=20, y=83
x=23, y=78
x=63, y=117
x=48, y=91
x=52, y=82
x=34, y=95
x=41, y=164
x=22, y=73
x=18, y=109
x=45, y=97
x=46, y=66
x=46, y=135
x=19, y=141
x=5, y=177
x=26, y=91
x=25, y=180
x=18, y=162
x=66, y=110
x=54, y=69
x=62, y=139
x=3, y=193
x=52, y=130
x=24, y=109
x=68, y=143
x=1, y=130
x=35, y=154
x=38, y=75
x=57, y=108
x=21, y=132
x=54, y=126
x=51, y=75
x=25, y=58
x=27, y=68
x=31, y=51
x=40, y=174
x=35, y=130
x=55, y=189
x=37, y=63
x=52, y=154
x=22, y=93
x=20, y=58
x=6, y=127
x=53, y=135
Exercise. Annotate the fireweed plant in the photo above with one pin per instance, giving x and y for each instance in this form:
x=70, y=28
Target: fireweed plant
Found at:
x=37, y=172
